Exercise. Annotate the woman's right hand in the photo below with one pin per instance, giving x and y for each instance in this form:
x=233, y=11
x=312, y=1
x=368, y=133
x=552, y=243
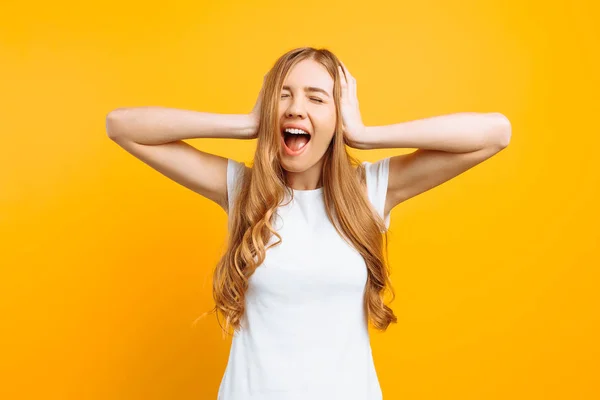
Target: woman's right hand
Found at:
x=255, y=113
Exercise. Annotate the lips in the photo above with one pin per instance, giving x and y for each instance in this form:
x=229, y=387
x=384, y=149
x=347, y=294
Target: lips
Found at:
x=297, y=126
x=295, y=144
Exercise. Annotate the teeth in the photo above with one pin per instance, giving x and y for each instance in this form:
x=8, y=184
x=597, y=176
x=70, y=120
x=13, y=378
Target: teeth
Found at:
x=296, y=131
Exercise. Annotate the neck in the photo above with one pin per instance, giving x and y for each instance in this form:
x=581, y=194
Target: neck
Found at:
x=309, y=179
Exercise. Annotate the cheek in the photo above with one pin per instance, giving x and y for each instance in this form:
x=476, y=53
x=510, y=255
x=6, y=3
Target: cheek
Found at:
x=326, y=128
x=326, y=119
x=325, y=137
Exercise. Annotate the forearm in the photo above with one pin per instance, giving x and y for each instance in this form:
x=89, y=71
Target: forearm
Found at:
x=158, y=125
x=458, y=133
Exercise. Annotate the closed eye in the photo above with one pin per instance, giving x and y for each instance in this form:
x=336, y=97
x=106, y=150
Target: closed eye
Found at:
x=312, y=98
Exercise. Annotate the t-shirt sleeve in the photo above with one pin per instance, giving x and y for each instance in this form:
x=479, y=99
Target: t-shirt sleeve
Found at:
x=377, y=183
x=235, y=170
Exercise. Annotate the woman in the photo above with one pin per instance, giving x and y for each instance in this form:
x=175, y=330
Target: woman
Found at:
x=305, y=270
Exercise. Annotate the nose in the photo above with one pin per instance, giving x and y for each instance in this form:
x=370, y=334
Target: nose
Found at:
x=296, y=108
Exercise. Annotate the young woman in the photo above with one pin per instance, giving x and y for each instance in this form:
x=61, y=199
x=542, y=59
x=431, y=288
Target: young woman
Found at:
x=305, y=266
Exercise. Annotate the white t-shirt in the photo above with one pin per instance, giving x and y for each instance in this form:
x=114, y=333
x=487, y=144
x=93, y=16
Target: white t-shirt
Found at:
x=304, y=334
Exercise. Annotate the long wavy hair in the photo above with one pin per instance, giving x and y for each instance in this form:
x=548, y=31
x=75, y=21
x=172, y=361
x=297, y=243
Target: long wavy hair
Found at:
x=262, y=189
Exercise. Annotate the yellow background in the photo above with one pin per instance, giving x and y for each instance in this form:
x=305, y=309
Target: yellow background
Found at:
x=105, y=263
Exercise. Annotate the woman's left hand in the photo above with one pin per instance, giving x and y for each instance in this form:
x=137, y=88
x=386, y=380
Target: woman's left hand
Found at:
x=354, y=129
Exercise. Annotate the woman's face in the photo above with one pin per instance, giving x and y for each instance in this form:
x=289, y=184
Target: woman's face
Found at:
x=303, y=104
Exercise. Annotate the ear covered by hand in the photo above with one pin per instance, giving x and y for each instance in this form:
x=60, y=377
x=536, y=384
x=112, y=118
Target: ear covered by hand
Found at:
x=254, y=115
x=354, y=129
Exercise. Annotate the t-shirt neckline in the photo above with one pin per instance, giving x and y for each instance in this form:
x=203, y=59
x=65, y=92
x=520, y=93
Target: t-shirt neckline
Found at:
x=308, y=192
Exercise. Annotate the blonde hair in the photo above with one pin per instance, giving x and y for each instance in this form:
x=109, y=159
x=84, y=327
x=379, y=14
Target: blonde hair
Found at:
x=262, y=189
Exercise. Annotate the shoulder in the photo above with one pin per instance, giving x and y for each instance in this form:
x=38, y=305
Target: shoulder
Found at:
x=376, y=172
x=376, y=181
x=235, y=168
x=235, y=172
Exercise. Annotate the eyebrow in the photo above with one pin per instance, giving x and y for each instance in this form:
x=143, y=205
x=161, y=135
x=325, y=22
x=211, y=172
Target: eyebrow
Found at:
x=309, y=89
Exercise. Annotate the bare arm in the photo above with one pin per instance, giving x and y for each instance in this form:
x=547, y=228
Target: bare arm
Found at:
x=155, y=136
x=447, y=146
x=158, y=125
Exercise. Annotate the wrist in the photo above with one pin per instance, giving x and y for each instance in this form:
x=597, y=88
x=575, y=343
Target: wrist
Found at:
x=364, y=141
x=243, y=126
x=250, y=126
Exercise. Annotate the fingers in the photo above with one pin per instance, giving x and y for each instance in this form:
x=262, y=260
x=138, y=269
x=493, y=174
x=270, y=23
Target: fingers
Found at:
x=343, y=80
x=348, y=81
x=349, y=77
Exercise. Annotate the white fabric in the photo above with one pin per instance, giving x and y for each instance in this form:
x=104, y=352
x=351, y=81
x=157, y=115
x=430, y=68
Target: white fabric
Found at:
x=304, y=333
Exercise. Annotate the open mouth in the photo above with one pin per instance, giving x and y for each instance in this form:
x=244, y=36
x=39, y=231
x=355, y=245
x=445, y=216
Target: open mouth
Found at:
x=295, y=139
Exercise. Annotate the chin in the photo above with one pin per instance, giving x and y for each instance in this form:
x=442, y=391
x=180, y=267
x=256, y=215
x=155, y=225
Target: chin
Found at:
x=293, y=164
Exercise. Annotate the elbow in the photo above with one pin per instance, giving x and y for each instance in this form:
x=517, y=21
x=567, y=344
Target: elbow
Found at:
x=114, y=124
x=502, y=131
